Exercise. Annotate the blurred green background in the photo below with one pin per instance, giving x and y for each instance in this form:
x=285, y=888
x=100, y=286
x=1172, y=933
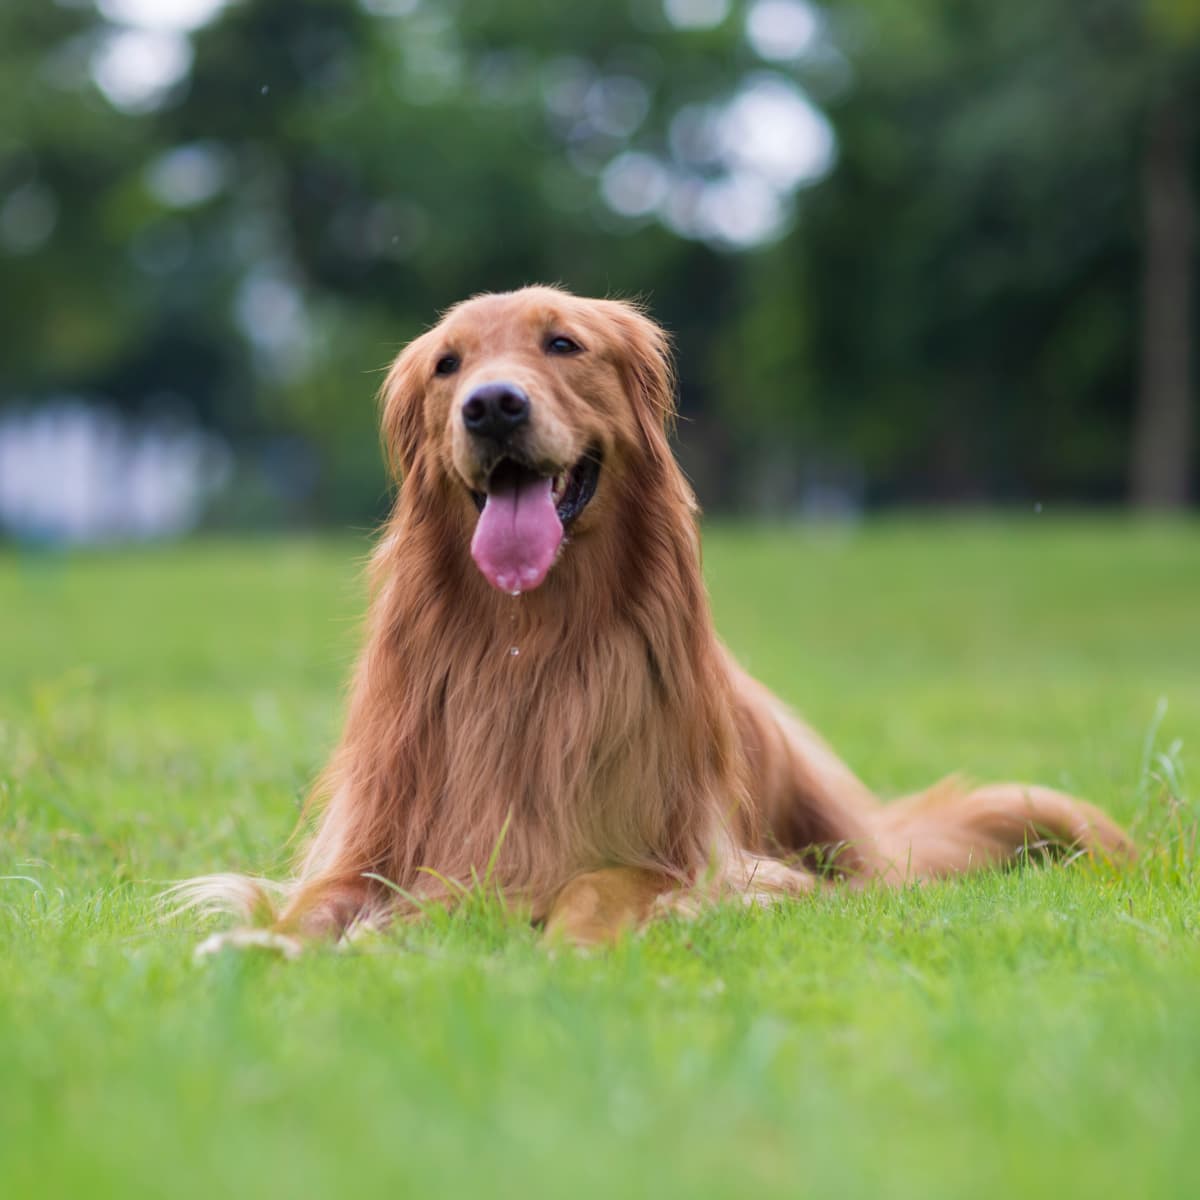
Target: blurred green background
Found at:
x=912, y=251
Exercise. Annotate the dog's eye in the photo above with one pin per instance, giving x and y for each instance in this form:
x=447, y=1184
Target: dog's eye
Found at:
x=446, y=365
x=562, y=345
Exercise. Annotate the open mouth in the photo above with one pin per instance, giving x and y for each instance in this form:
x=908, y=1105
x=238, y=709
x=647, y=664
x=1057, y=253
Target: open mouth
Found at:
x=523, y=516
x=570, y=490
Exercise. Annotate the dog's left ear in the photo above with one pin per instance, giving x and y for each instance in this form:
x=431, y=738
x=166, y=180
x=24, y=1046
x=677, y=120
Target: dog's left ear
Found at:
x=402, y=415
x=646, y=362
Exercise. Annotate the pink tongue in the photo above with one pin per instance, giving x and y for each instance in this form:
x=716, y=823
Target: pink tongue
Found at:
x=518, y=534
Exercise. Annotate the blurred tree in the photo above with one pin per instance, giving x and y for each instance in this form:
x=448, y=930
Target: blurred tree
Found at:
x=385, y=164
x=1164, y=420
x=69, y=298
x=981, y=240
x=294, y=187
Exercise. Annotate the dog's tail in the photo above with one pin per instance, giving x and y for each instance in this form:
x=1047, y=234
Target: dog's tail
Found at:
x=952, y=828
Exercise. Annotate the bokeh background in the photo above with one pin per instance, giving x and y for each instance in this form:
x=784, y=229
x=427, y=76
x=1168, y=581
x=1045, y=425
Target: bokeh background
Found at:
x=912, y=251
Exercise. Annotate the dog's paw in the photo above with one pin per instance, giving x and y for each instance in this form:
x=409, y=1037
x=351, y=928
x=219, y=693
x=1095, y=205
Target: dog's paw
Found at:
x=250, y=939
x=682, y=902
x=600, y=907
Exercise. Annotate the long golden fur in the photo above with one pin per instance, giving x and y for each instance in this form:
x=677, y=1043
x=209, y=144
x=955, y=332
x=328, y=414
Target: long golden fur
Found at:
x=590, y=746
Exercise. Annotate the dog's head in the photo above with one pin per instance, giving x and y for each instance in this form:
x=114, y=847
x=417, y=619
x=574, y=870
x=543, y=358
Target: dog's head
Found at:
x=532, y=405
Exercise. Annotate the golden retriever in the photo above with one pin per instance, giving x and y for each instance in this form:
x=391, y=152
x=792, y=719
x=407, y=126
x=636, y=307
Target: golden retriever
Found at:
x=542, y=701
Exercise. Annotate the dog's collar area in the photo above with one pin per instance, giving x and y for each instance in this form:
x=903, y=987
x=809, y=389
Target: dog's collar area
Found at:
x=573, y=489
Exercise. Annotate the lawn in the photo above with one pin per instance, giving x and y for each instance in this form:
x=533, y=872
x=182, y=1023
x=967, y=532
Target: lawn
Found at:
x=1035, y=1033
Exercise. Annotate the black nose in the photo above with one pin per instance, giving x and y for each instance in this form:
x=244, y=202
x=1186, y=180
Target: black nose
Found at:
x=494, y=410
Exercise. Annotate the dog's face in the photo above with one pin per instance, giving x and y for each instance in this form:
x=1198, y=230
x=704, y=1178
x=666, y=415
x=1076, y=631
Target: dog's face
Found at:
x=530, y=403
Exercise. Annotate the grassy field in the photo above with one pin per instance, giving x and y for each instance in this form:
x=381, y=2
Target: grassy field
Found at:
x=1029, y=1034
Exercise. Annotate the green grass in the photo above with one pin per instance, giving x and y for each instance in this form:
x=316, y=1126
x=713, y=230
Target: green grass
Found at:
x=1029, y=1034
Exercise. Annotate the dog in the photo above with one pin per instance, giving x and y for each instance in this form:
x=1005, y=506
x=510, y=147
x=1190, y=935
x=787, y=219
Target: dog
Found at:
x=543, y=704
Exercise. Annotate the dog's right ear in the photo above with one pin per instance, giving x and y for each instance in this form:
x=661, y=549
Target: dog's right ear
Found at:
x=402, y=409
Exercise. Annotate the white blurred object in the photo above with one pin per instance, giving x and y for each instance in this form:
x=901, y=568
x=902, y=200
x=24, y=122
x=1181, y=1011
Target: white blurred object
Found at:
x=181, y=16
x=782, y=30
x=137, y=68
x=695, y=14
x=73, y=473
x=734, y=167
x=770, y=127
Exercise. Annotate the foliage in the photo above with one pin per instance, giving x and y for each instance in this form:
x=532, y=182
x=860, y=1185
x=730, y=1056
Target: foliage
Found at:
x=953, y=310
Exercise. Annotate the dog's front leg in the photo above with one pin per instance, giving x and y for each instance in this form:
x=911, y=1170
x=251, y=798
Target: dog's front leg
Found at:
x=597, y=908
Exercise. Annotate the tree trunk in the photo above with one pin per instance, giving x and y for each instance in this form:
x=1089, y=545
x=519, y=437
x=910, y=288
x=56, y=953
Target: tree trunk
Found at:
x=1164, y=415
